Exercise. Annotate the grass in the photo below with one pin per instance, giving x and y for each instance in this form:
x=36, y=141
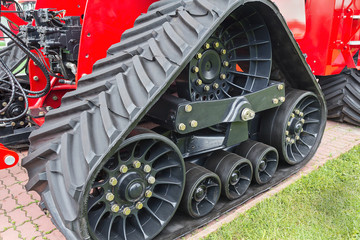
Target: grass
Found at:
x=322, y=205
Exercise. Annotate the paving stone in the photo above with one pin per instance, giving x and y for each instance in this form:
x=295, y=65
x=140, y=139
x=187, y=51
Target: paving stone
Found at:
x=18, y=217
x=8, y=204
x=28, y=231
x=10, y=234
x=55, y=235
x=4, y=223
x=44, y=224
x=33, y=211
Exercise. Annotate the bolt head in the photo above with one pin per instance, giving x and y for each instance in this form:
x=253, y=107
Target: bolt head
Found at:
x=302, y=130
x=223, y=51
x=297, y=137
x=193, y=123
x=297, y=111
x=199, y=82
x=288, y=140
x=188, y=108
x=206, y=88
x=4, y=104
x=216, y=44
x=55, y=98
x=292, y=115
x=148, y=194
x=301, y=114
x=222, y=76
x=182, y=127
x=247, y=114
x=289, y=124
x=151, y=180
x=282, y=99
x=41, y=114
x=124, y=169
x=21, y=123
x=13, y=124
x=226, y=64
x=292, y=141
x=36, y=78
x=195, y=69
x=302, y=120
x=113, y=181
x=207, y=45
x=215, y=85
x=136, y=164
x=139, y=205
x=126, y=211
x=115, y=208
x=9, y=160
x=275, y=101
x=109, y=197
x=198, y=56
x=147, y=168
x=287, y=133
x=280, y=87
x=21, y=99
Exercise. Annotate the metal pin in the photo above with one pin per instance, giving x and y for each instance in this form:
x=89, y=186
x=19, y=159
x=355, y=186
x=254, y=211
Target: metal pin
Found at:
x=226, y=63
x=199, y=82
x=223, y=51
x=216, y=44
x=206, y=45
x=36, y=78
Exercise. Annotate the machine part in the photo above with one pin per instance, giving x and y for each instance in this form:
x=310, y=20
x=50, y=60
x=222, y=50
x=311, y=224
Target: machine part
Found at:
x=235, y=60
x=294, y=127
x=12, y=56
x=118, y=205
x=202, y=191
x=123, y=87
x=235, y=172
x=342, y=95
x=264, y=159
x=8, y=158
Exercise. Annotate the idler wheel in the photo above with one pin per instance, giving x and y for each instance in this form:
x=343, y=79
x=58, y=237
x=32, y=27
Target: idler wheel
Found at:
x=235, y=172
x=202, y=191
x=264, y=159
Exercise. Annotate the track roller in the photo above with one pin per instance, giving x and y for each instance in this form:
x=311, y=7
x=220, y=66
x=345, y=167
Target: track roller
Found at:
x=136, y=191
x=202, y=190
x=294, y=127
x=235, y=172
x=264, y=159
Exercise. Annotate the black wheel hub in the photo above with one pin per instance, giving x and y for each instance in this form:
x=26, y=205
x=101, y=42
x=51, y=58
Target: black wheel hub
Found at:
x=200, y=193
x=210, y=66
x=262, y=165
x=235, y=177
x=131, y=187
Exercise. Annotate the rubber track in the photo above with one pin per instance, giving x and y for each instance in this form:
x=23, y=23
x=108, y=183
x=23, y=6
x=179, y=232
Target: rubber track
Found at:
x=342, y=95
x=111, y=101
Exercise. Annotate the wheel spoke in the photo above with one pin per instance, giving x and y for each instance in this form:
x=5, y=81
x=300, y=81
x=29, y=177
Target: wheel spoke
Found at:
x=161, y=181
x=228, y=95
x=164, y=166
x=160, y=153
x=154, y=215
x=93, y=201
x=298, y=150
x=209, y=201
x=197, y=207
x=164, y=199
x=310, y=133
x=254, y=43
x=306, y=105
x=96, y=216
x=311, y=110
x=245, y=59
x=140, y=227
x=247, y=74
x=245, y=178
x=267, y=173
x=304, y=143
x=237, y=86
x=312, y=121
x=292, y=153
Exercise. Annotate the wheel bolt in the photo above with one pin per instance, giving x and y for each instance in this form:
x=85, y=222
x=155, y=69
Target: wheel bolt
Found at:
x=195, y=69
x=148, y=194
x=136, y=164
x=151, y=180
x=289, y=124
x=188, y=108
x=288, y=140
x=13, y=124
x=139, y=205
x=4, y=104
x=297, y=111
x=21, y=123
x=206, y=45
x=199, y=82
x=113, y=181
x=286, y=133
x=124, y=169
x=115, y=208
x=206, y=88
x=222, y=76
x=282, y=99
x=110, y=197
x=275, y=101
x=193, y=123
x=280, y=87
x=301, y=114
x=21, y=99
x=302, y=120
x=126, y=211
x=216, y=44
x=223, y=51
x=147, y=168
x=292, y=141
x=226, y=63
x=215, y=85
x=302, y=130
x=297, y=137
x=198, y=56
x=292, y=115
x=182, y=127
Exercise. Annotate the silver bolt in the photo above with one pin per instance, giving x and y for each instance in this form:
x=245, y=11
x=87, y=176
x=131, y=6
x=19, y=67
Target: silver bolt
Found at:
x=21, y=99
x=139, y=205
x=297, y=111
x=206, y=45
x=151, y=180
x=206, y=88
x=36, y=78
x=136, y=164
x=301, y=114
x=193, y=123
x=286, y=133
x=297, y=137
x=113, y=181
x=223, y=51
x=275, y=101
x=215, y=85
x=4, y=104
x=188, y=108
x=199, y=82
x=302, y=120
x=222, y=76
x=226, y=64
x=280, y=87
x=292, y=141
x=148, y=193
x=182, y=127
x=195, y=69
x=216, y=44
x=110, y=197
x=282, y=99
x=247, y=114
x=124, y=169
x=198, y=56
x=9, y=160
x=55, y=98
x=147, y=168
x=288, y=140
x=115, y=208
x=126, y=211
x=21, y=123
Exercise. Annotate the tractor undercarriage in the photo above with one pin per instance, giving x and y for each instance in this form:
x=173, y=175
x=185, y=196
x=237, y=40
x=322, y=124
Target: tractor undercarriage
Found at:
x=201, y=106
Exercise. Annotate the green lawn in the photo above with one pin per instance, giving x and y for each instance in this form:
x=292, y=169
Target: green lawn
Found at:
x=322, y=205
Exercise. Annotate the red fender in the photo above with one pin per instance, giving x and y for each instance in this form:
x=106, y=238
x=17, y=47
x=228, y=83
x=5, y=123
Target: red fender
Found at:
x=8, y=158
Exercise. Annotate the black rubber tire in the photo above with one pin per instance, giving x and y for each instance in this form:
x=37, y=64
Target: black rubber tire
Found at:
x=13, y=56
x=342, y=95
